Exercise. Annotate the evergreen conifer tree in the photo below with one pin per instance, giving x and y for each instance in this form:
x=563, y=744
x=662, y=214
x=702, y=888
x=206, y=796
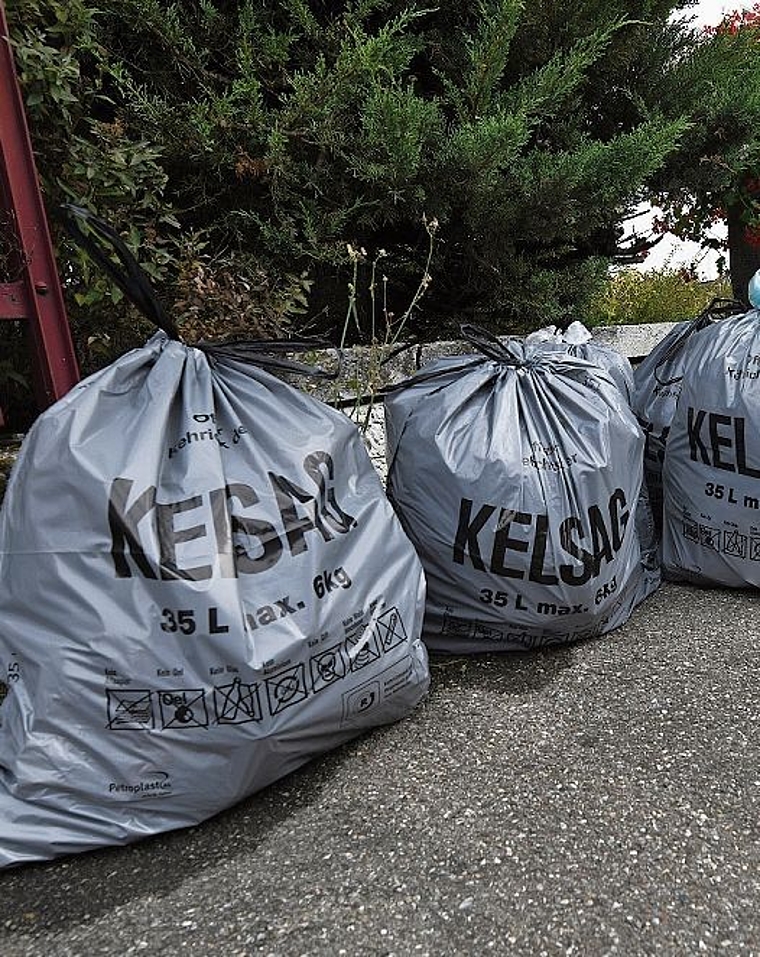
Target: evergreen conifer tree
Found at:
x=242, y=145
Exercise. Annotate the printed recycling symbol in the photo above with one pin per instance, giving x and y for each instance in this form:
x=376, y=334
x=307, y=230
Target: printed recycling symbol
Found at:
x=129, y=710
x=710, y=537
x=327, y=667
x=361, y=651
x=286, y=689
x=237, y=702
x=361, y=700
x=484, y=630
x=734, y=544
x=183, y=708
x=389, y=629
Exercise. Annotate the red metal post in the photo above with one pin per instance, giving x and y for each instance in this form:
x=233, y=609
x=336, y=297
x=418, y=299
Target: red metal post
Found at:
x=36, y=296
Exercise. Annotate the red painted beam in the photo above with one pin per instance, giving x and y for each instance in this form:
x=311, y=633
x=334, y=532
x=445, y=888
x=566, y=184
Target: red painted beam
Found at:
x=38, y=295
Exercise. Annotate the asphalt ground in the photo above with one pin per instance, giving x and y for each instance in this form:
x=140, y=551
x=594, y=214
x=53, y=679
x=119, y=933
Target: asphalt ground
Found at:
x=599, y=798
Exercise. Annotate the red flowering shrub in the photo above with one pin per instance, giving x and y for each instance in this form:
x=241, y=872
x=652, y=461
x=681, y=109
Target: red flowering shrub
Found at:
x=732, y=23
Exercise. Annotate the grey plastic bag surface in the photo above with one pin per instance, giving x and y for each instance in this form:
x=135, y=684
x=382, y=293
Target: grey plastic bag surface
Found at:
x=578, y=341
x=517, y=476
x=203, y=587
x=711, y=472
x=657, y=386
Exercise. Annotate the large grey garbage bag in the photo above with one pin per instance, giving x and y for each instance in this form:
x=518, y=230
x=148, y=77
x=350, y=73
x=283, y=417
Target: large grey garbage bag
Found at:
x=517, y=473
x=578, y=341
x=657, y=386
x=711, y=473
x=202, y=586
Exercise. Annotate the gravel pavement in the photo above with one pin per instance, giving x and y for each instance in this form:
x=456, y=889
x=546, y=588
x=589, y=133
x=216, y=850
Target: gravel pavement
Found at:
x=600, y=798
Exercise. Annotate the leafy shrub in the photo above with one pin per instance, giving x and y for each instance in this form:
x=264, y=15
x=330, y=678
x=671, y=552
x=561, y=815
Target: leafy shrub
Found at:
x=669, y=295
x=241, y=147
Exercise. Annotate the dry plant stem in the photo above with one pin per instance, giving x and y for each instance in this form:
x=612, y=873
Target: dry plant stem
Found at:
x=351, y=309
x=431, y=227
x=392, y=330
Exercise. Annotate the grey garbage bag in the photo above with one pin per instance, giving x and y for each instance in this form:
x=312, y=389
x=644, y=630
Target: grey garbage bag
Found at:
x=578, y=341
x=657, y=386
x=202, y=586
x=711, y=472
x=517, y=473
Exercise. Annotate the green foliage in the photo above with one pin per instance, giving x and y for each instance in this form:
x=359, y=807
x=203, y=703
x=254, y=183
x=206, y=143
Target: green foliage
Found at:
x=668, y=295
x=717, y=74
x=240, y=147
x=86, y=156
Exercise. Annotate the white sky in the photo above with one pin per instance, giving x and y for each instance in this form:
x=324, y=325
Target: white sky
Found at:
x=711, y=11
x=670, y=250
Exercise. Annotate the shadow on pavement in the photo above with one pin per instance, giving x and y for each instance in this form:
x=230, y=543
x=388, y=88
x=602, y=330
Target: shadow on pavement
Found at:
x=508, y=673
x=62, y=893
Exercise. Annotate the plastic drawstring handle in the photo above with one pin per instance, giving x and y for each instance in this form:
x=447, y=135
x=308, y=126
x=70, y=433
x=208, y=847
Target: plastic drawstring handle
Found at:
x=717, y=309
x=490, y=345
x=130, y=278
x=486, y=344
x=134, y=283
x=268, y=353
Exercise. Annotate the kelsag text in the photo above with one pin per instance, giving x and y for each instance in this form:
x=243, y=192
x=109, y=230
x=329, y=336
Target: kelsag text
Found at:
x=719, y=440
x=515, y=545
x=226, y=522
